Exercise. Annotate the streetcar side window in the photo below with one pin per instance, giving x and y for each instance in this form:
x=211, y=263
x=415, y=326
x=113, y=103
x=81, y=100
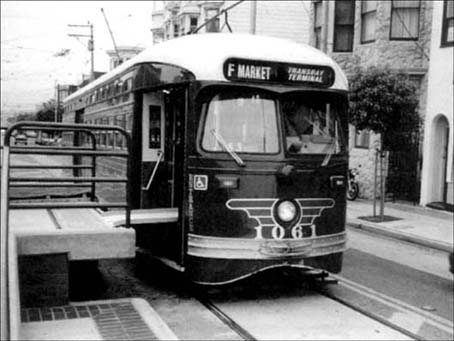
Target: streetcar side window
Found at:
x=111, y=136
x=245, y=122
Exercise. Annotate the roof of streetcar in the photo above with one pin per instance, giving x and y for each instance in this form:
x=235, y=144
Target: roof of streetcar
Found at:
x=205, y=54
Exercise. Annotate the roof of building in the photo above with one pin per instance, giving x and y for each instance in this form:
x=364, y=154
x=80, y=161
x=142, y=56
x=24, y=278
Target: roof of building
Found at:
x=205, y=54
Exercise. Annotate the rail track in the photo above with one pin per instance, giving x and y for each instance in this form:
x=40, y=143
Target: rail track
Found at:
x=405, y=321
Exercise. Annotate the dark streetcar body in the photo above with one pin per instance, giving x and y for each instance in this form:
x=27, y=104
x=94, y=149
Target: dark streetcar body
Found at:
x=239, y=192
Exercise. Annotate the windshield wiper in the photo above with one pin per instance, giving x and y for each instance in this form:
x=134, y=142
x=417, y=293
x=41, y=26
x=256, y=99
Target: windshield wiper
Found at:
x=331, y=150
x=229, y=150
x=332, y=147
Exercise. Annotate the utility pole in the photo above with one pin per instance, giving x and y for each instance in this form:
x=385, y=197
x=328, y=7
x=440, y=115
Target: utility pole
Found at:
x=90, y=46
x=111, y=35
x=325, y=26
x=253, y=17
x=57, y=102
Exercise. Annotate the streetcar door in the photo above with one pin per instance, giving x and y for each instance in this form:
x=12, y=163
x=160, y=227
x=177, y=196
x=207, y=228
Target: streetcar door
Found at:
x=153, y=134
x=162, y=148
x=174, y=108
x=162, y=166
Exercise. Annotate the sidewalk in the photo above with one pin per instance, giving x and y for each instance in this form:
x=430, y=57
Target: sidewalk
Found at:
x=416, y=224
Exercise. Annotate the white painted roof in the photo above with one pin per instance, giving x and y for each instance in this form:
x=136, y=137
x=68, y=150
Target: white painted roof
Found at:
x=205, y=54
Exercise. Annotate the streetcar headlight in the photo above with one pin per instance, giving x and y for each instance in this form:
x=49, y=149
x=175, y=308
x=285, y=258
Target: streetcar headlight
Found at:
x=286, y=211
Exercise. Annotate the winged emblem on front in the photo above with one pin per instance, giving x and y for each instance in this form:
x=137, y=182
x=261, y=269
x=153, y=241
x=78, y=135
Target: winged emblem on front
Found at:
x=265, y=213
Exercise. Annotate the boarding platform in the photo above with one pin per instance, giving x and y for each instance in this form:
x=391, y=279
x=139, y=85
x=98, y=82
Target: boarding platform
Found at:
x=80, y=233
x=43, y=235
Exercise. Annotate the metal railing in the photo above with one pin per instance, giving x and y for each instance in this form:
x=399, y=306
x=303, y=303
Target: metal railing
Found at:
x=8, y=181
x=76, y=181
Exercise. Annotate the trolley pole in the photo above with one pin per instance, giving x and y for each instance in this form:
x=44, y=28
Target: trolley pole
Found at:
x=91, y=48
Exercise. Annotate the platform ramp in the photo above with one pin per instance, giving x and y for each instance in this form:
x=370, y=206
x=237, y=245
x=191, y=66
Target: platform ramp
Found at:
x=80, y=232
x=142, y=216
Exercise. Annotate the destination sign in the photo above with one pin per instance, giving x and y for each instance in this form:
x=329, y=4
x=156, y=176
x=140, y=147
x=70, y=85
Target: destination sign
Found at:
x=236, y=69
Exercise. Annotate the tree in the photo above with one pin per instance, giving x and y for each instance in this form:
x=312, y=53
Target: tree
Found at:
x=21, y=117
x=385, y=102
x=47, y=111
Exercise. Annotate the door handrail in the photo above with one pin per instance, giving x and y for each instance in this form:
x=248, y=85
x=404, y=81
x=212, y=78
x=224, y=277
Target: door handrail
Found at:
x=150, y=180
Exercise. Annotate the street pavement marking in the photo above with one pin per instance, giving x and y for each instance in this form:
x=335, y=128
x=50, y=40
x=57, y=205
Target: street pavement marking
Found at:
x=402, y=307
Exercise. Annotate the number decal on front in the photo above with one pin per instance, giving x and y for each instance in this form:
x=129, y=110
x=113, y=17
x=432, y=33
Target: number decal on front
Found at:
x=297, y=232
x=278, y=232
x=261, y=210
x=258, y=229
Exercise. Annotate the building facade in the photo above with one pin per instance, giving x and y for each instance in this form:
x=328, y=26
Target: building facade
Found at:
x=122, y=54
x=393, y=34
x=178, y=18
x=400, y=35
x=438, y=168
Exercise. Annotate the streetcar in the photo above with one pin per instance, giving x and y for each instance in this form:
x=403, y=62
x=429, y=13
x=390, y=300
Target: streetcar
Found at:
x=238, y=144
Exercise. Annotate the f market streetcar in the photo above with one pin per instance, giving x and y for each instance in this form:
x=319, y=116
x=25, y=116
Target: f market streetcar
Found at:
x=239, y=143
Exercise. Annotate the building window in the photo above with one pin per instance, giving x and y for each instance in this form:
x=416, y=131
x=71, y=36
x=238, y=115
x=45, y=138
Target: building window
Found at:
x=344, y=21
x=368, y=17
x=405, y=20
x=213, y=25
x=318, y=23
x=118, y=86
x=193, y=22
x=447, y=31
x=362, y=138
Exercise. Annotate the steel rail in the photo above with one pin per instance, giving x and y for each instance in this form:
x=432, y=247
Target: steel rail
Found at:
x=35, y=147
x=50, y=167
x=376, y=317
x=68, y=179
x=46, y=184
x=77, y=204
x=319, y=286
x=226, y=319
x=71, y=152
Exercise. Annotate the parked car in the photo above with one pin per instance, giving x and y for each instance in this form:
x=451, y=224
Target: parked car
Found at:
x=20, y=139
x=31, y=133
x=46, y=141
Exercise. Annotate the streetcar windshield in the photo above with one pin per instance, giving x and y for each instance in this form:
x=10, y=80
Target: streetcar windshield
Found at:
x=245, y=121
x=242, y=122
x=311, y=124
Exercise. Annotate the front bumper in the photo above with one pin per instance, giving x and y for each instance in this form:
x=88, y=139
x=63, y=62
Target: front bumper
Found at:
x=265, y=249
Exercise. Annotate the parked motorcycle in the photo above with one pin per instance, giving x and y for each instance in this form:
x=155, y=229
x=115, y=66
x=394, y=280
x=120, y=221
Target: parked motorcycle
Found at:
x=353, y=187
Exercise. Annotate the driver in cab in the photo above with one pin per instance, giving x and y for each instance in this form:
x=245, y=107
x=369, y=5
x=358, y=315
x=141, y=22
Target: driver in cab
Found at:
x=296, y=126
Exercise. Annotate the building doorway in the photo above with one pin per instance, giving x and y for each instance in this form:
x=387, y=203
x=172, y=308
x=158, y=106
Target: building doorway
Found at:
x=438, y=163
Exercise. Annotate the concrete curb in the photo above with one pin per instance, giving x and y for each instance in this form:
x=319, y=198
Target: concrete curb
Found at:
x=408, y=237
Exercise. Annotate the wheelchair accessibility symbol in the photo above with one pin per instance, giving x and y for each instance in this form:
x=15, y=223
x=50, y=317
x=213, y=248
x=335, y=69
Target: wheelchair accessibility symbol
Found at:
x=200, y=182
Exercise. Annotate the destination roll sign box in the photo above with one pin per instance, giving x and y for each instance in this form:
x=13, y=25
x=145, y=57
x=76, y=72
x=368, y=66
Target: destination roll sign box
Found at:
x=236, y=69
